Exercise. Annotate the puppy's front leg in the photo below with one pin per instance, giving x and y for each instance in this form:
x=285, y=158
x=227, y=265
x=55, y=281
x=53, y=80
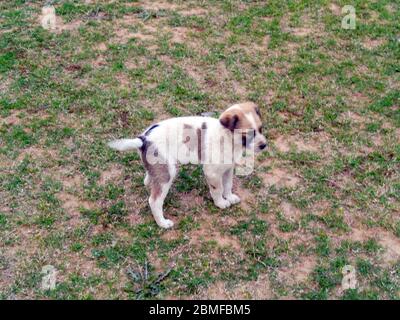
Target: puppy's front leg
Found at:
x=227, y=180
x=214, y=180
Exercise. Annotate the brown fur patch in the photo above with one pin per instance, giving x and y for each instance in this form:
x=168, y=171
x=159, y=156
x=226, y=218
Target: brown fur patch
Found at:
x=158, y=172
x=194, y=139
x=189, y=136
x=229, y=120
x=235, y=118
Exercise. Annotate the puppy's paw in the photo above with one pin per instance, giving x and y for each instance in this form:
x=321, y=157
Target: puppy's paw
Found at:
x=233, y=198
x=222, y=203
x=166, y=223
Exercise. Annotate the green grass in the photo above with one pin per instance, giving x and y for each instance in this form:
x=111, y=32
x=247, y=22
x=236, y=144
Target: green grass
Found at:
x=330, y=101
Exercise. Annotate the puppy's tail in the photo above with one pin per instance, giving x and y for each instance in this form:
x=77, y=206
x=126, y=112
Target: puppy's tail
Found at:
x=125, y=144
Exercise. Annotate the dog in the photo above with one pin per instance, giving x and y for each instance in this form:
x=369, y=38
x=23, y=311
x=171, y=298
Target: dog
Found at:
x=217, y=144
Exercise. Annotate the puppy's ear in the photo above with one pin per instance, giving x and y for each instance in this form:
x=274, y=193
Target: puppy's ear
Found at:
x=229, y=120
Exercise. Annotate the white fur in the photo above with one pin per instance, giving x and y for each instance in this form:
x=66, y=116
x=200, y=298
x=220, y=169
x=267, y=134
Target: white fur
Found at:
x=125, y=144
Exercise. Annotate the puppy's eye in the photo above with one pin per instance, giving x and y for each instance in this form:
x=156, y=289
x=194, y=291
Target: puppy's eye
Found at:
x=260, y=129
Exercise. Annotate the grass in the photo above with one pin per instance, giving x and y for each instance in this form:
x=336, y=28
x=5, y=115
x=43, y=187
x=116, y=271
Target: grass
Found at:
x=324, y=195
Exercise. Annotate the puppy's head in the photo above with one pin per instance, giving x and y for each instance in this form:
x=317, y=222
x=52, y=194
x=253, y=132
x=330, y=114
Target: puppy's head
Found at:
x=247, y=118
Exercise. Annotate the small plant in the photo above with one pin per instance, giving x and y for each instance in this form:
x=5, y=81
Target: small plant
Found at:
x=144, y=283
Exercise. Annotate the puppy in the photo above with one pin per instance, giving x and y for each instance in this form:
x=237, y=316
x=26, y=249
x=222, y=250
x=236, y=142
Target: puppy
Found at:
x=217, y=144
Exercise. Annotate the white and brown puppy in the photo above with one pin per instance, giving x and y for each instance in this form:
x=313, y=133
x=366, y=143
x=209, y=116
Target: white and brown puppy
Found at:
x=217, y=144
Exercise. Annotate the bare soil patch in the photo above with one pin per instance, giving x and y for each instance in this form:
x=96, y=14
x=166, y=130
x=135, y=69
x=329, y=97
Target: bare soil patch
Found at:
x=111, y=174
x=373, y=43
x=70, y=26
x=308, y=26
x=12, y=119
x=74, y=181
x=5, y=83
x=353, y=117
x=290, y=211
x=301, y=32
x=123, y=80
x=99, y=62
x=246, y=197
x=255, y=290
x=164, y=5
x=190, y=200
x=389, y=242
x=72, y=204
x=179, y=34
x=336, y=9
x=280, y=178
x=101, y=46
x=38, y=153
x=123, y=35
x=299, y=271
x=286, y=143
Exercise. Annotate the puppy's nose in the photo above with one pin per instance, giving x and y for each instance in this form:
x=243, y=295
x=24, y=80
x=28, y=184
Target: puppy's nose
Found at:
x=262, y=146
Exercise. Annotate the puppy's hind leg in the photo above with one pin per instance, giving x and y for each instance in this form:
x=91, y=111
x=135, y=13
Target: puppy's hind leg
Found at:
x=156, y=201
x=159, y=190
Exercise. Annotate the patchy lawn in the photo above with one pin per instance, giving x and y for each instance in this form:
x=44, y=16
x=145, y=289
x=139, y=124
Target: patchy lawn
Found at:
x=326, y=193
